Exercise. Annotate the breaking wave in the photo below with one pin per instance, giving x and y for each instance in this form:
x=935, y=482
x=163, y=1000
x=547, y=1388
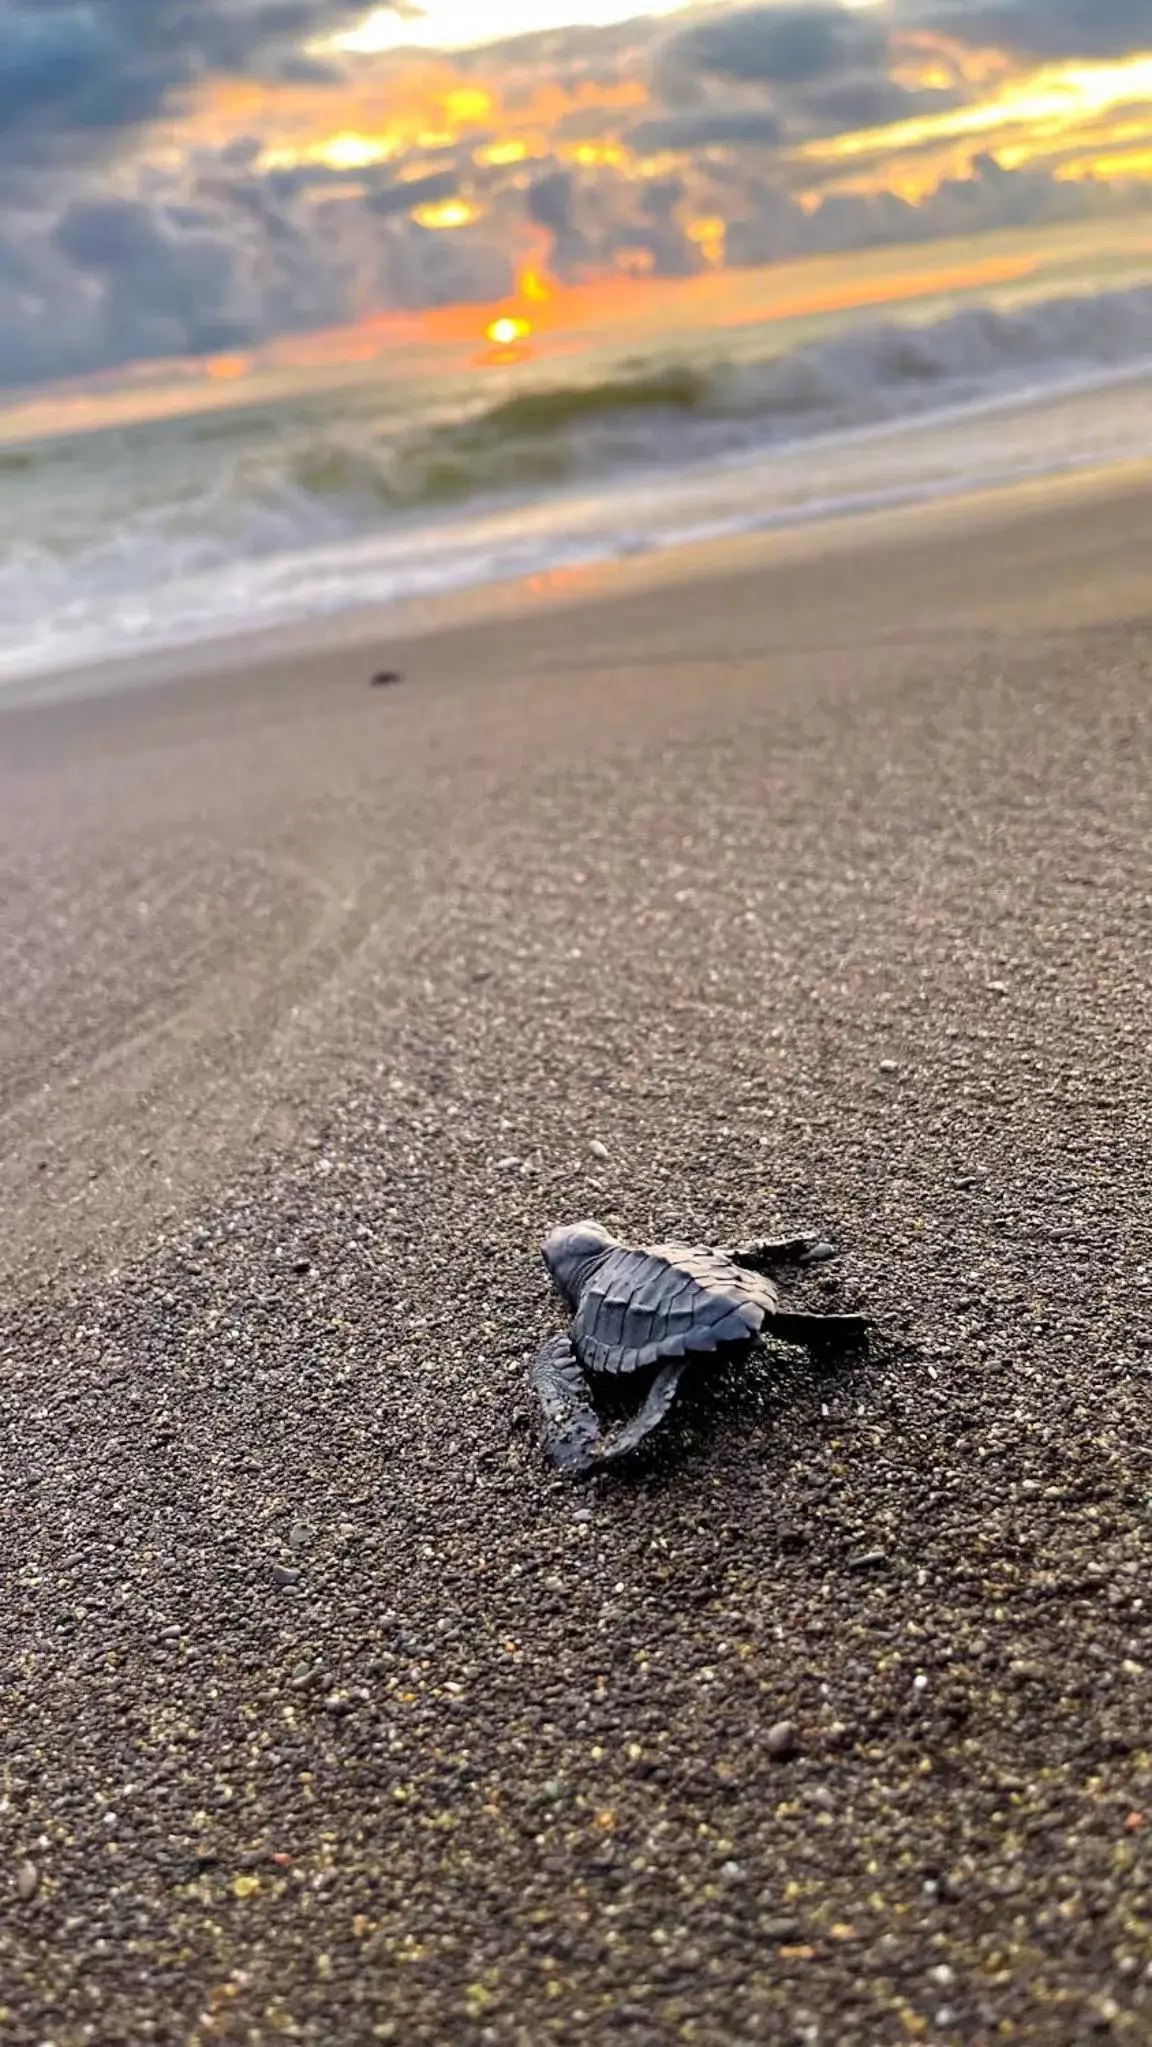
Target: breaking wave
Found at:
x=202, y=526
x=684, y=413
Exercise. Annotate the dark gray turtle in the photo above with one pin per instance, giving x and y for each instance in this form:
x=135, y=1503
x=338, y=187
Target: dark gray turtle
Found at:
x=651, y=1312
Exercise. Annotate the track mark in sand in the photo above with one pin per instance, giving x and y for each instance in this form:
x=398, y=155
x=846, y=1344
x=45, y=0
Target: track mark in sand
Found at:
x=124, y=1125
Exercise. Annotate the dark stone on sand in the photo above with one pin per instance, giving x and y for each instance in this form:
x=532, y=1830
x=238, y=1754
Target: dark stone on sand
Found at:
x=384, y=678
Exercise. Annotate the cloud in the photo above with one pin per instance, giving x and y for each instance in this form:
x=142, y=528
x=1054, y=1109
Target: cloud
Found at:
x=785, y=46
x=816, y=69
x=659, y=197
x=120, y=282
x=115, y=279
x=227, y=226
x=168, y=285
x=76, y=76
x=549, y=201
x=704, y=128
x=858, y=103
x=405, y=196
x=1041, y=28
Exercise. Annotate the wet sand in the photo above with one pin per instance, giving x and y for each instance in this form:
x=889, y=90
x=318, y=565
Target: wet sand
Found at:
x=817, y=890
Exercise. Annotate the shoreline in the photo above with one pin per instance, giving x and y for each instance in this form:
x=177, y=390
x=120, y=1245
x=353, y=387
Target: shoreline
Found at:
x=361, y=627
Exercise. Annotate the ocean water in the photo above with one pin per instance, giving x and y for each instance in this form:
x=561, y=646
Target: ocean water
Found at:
x=392, y=488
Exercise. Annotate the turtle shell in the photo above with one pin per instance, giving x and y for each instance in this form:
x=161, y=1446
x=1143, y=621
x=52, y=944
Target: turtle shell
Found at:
x=640, y=1307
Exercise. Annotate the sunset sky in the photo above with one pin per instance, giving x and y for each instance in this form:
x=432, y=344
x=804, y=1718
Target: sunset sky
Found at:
x=195, y=181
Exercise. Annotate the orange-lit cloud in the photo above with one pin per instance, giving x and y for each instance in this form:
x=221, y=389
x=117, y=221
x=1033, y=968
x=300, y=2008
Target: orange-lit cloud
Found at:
x=422, y=105
x=1053, y=100
x=412, y=178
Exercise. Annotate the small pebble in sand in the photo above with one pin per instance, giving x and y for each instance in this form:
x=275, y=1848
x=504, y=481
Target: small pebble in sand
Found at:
x=868, y=1560
x=781, y=1740
x=598, y=1149
x=27, y=1882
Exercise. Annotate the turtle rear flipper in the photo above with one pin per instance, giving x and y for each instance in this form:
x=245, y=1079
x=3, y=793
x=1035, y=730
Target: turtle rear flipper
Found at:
x=655, y=1411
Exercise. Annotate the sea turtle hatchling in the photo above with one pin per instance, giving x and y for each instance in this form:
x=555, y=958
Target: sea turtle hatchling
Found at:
x=653, y=1312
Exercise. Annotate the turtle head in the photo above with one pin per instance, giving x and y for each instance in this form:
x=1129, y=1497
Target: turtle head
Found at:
x=573, y=1254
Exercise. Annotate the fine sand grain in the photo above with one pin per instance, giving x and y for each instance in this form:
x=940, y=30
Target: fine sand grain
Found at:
x=820, y=893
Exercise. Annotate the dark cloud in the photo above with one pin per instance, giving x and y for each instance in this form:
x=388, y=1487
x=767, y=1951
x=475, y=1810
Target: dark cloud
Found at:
x=673, y=255
x=660, y=197
x=116, y=279
x=704, y=128
x=773, y=228
x=1042, y=28
x=869, y=103
x=587, y=124
x=549, y=201
x=76, y=74
x=411, y=192
x=785, y=46
x=168, y=276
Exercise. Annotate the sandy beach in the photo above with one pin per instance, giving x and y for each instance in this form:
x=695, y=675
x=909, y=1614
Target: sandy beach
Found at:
x=815, y=887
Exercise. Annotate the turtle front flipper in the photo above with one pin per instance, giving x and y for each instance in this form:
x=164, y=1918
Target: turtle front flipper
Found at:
x=571, y=1433
x=656, y=1409
x=773, y=1255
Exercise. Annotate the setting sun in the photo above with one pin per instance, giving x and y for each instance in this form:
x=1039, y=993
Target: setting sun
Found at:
x=508, y=330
